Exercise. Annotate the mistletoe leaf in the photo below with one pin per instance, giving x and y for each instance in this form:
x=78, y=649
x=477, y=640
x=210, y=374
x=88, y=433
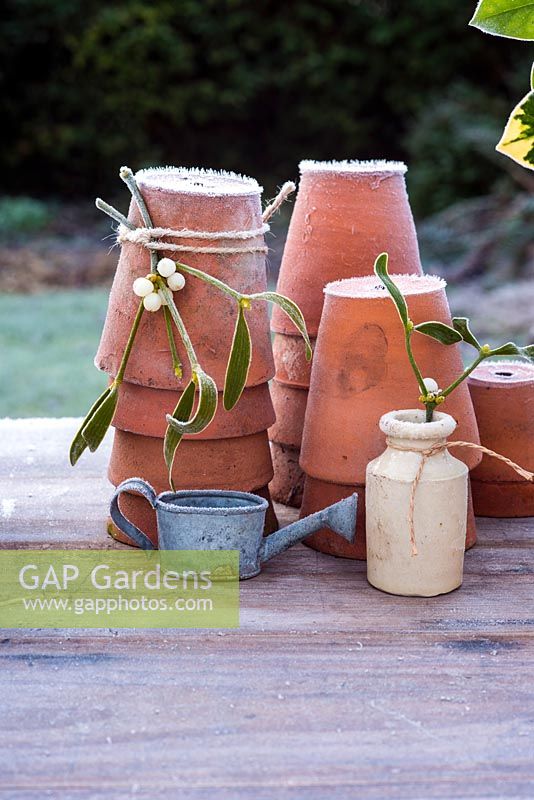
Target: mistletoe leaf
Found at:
x=461, y=324
x=439, y=331
x=92, y=423
x=293, y=312
x=512, y=349
x=207, y=406
x=238, y=363
x=381, y=271
x=182, y=413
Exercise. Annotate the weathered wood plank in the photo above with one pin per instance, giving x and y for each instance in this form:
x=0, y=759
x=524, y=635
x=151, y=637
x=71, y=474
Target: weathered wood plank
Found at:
x=434, y=718
x=328, y=689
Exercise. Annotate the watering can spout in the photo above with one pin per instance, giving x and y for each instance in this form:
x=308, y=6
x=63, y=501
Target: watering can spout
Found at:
x=340, y=518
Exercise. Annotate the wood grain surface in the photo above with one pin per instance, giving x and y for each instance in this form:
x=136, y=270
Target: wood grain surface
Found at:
x=329, y=689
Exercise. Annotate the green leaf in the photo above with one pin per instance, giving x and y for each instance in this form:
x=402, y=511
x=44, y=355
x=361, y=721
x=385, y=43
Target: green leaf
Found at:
x=517, y=141
x=511, y=349
x=182, y=413
x=207, y=406
x=381, y=271
x=439, y=331
x=513, y=19
x=97, y=426
x=79, y=443
x=532, y=77
x=238, y=363
x=461, y=324
x=291, y=309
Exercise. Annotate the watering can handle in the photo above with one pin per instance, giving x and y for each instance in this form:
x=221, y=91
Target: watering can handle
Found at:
x=127, y=527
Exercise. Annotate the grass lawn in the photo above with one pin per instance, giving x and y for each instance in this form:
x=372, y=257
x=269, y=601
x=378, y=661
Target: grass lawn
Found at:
x=47, y=345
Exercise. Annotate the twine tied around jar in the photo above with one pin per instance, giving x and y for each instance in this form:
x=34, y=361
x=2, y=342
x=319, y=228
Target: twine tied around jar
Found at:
x=149, y=237
x=439, y=448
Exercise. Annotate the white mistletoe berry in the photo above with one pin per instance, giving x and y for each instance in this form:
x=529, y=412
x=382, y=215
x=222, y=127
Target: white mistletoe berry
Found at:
x=430, y=384
x=166, y=267
x=162, y=297
x=142, y=287
x=152, y=302
x=176, y=282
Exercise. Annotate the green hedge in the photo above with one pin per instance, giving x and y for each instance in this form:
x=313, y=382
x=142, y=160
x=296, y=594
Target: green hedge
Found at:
x=251, y=86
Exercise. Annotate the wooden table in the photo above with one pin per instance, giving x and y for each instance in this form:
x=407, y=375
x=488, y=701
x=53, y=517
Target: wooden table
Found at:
x=330, y=689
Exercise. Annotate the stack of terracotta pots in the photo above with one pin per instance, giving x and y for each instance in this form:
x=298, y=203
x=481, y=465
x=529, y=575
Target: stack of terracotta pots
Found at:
x=233, y=452
x=360, y=372
x=346, y=213
x=503, y=397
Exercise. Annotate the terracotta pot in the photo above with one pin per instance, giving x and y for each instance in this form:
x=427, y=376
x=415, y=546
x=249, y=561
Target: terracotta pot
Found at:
x=290, y=408
x=143, y=410
x=346, y=213
x=361, y=368
x=196, y=200
x=286, y=436
x=138, y=511
x=288, y=482
x=503, y=398
x=242, y=463
x=320, y=494
x=418, y=553
x=292, y=369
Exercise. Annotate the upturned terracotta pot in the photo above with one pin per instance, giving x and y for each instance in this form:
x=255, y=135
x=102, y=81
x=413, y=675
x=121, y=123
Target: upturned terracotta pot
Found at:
x=361, y=369
x=138, y=511
x=503, y=397
x=197, y=200
x=320, y=494
x=290, y=405
x=286, y=435
x=292, y=369
x=287, y=484
x=346, y=213
x=242, y=463
x=143, y=410
x=360, y=364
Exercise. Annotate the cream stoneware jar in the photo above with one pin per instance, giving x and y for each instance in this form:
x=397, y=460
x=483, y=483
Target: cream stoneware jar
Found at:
x=439, y=510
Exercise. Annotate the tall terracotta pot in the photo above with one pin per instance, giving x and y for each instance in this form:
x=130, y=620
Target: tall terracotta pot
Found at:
x=233, y=453
x=361, y=369
x=346, y=213
x=503, y=398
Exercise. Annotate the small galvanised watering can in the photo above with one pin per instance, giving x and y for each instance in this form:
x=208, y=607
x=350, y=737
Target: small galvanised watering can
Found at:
x=210, y=519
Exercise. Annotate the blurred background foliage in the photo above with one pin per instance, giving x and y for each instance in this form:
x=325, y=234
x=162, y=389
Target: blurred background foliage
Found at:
x=89, y=85
x=254, y=87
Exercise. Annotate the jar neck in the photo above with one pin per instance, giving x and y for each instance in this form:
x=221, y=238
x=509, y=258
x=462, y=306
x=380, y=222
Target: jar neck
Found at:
x=413, y=445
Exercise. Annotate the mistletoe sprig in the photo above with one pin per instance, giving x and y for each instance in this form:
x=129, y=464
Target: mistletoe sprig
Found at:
x=431, y=395
x=156, y=293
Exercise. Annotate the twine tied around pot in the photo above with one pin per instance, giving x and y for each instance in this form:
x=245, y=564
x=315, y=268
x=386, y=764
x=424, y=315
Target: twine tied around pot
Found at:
x=150, y=237
x=439, y=448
